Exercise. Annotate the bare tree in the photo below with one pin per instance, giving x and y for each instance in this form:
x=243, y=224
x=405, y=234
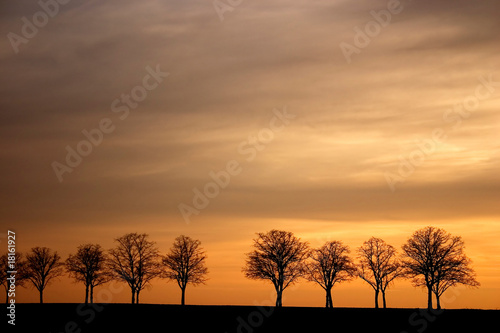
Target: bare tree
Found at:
x=378, y=266
x=436, y=260
x=330, y=264
x=42, y=265
x=88, y=265
x=453, y=271
x=393, y=272
x=280, y=257
x=135, y=260
x=16, y=265
x=185, y=263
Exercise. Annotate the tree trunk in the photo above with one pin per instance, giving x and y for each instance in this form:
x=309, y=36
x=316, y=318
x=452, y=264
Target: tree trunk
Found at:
x=429, y=298
x=41, y=296
x=383, y=299
x=86, y=294
x=183, y=296
x=91, y=294
x=133, y=296
x=137, y=297
x=329, y=301
x=376, y=298
x=438, y=303
x=278, y=298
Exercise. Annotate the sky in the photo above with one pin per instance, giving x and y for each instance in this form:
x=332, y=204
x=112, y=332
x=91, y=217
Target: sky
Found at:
x=336, y=120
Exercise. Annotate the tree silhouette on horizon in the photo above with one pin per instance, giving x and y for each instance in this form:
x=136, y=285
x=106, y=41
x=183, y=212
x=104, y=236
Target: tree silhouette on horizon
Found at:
x=134, y=260
x=88, y=265
x=280, y=257
x=435, y=259
x=20, y=277
x=185, y=263
x=41, y=266
x=330, y=264
x=378, y=266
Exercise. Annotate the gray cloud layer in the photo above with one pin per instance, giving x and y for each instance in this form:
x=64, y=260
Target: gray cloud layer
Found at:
x=353, y=120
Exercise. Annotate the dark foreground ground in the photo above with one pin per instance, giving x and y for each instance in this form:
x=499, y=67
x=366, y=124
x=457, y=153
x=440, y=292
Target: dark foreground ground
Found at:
x=76, y=318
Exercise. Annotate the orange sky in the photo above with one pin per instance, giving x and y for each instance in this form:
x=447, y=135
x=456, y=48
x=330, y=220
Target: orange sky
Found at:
x=226, y=241
x=399, y=135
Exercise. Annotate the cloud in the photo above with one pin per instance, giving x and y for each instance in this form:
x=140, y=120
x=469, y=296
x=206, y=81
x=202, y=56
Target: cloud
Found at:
x=353, y=121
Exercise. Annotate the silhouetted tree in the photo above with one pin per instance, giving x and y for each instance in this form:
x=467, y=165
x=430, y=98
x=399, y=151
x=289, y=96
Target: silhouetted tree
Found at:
x=330, y=264
x=42, y=265
x=436, y=260
x=88, y=265
x=135, y=260
x=185, y=263
x=279, y=256
x=378, y=266
x=453, y=271
x=5, y=268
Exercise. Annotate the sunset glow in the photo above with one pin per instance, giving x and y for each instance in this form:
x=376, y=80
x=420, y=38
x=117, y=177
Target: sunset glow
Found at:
x=174, y=117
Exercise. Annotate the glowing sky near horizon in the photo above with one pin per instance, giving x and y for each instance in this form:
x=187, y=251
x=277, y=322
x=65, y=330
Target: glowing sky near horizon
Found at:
x=432, y=72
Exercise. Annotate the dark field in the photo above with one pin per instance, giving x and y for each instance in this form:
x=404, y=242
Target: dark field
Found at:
x=74, y=318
